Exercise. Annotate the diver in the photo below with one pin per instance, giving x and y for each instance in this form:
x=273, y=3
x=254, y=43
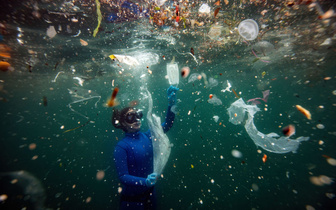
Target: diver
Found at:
x=133, y=156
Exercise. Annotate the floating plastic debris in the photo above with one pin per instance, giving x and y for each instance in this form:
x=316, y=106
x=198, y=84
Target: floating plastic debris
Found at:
x=51, y=32
x=125, y=59
x=204, y=9
x=160, y=141
x=173, y=73
x=270, y=142
x=193, y=77
x=215, y=32
x=80, y=80
x=227, y=88
x=264, y=98
x=215, y=101
x=216, y=118
x=185, y=72
x=212, y=82
x=248, y=29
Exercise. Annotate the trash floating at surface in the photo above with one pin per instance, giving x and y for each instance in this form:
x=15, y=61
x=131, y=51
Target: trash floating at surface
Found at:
x=248, y=29
x=330, y=160
x=270, y=142
x=304, y=111
x=215, y=101
x=125, y=59
x=205, y=8
x=215, y=32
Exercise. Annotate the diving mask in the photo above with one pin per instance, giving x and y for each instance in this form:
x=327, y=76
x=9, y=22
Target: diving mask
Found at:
x=133, y=117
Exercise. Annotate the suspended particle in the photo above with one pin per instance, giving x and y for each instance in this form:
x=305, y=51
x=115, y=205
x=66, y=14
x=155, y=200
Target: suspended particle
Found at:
x=289, y=130
x=3, y=197
x=32, y=146
x=320, y=126
x=185, y=71
x=88, y=200
x=100, y=175
x=237, y=154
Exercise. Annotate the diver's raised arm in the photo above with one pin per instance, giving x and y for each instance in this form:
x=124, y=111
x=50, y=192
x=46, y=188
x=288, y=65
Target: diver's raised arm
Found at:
x=169, y=120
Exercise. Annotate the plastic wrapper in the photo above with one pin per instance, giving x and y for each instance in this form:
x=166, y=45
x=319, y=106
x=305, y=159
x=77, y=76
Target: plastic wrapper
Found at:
x=271, y=142
x=160, y=141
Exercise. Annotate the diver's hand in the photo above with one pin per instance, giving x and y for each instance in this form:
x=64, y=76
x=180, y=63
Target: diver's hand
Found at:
x=171, y=93
x=151, y=179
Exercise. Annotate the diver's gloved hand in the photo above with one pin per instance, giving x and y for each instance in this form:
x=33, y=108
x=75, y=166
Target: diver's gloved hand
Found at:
x=171, y=93
x=151, y=179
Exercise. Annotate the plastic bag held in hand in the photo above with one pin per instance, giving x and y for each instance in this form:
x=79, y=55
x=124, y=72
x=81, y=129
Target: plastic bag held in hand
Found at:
x=151, y=179
x=171, y=93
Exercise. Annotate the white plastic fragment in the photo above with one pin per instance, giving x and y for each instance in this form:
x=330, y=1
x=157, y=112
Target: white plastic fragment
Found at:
x=227, y=88
x=127, y=60
x=51, y=32
x=326, y=42
x=204, y=9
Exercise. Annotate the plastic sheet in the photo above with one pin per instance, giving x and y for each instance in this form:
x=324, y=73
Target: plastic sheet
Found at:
x=129, y=60
x=205, y=9
x=212, y=82
x=263, y=47
x=160, y=141
x=270, y=142
x=215, y=101
x=215, y=32
x=193, y=77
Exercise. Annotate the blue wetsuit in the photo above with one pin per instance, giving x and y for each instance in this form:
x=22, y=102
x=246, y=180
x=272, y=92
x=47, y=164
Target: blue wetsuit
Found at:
x=133, y=158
